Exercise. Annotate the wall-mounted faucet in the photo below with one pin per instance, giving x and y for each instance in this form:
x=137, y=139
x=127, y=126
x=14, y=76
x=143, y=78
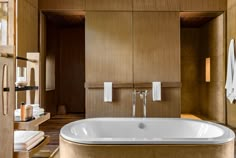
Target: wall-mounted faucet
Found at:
x=143, y=96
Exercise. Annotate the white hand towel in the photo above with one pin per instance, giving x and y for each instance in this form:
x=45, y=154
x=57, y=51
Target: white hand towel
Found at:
x=156, y=91
x=107, y=91
x=230, y=73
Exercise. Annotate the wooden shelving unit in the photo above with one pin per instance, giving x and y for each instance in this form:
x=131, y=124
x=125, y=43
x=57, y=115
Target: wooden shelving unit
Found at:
x=33, y=62
x=30, y=153
x=32, y=124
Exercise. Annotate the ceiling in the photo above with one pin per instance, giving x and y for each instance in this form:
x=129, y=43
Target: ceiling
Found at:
x=66, y=18
x=197, y=19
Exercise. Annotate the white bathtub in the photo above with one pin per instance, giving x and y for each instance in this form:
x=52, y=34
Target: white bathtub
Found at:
x=145, y=131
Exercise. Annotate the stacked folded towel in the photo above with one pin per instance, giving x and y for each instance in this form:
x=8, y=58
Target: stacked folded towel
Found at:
x=26, y=140
x=37, y=111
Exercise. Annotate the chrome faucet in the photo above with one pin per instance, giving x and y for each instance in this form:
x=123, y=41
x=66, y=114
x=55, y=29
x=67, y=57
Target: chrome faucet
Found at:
x=143, y=96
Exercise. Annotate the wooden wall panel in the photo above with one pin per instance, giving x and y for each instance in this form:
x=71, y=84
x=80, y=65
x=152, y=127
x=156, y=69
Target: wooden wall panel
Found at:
x=156, y=46
x=190, y=57
x=109, y=5
x=72, y=69
x=27, y=28
x=120, y=107
x=203, y=5
x=61, y=4
x=156, y=5
x=231, y=34
x=212, y=94
x=108, y=47
x=169, y=106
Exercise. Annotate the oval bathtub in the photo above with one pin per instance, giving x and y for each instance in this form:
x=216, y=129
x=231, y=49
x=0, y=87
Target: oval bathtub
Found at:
x=157, y=133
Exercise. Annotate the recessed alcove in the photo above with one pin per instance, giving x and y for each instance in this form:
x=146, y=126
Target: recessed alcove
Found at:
x=203, y=36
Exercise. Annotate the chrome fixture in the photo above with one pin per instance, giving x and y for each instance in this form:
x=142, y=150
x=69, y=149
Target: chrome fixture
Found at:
x=143, y=96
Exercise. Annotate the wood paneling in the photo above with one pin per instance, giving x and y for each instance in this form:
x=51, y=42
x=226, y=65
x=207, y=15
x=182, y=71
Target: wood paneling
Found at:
x=231, y=34
x=120, y=107
x=156, y=46
x=108, y=47
x=72, y=150
x=7, y=103
x=169, y=106
x=7, y=99
x=203, y=5
x=156, y=5
x=131, y=85
x=109, y=5
x=212, y=94
x=27, y=28
x=72, y=68
x=190, y=57
x=61, y=4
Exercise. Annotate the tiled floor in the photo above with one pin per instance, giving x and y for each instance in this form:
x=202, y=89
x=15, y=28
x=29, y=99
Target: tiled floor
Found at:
x=53, y=126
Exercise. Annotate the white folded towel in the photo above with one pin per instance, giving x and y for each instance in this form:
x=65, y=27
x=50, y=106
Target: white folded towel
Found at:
x=107, y=91
x=156, y=91
x=230, y=78
x=25, y=140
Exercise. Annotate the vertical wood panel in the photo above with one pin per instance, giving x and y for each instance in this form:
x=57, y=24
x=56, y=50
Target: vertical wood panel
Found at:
x=109, y=5
x=156, y=46
x=120, y=107
x=108, y=47
x=156, y=5
x=72, y=68
x=190, y=57
x=157, y=57
x=212, y=94
x=231, y=34
x=61, y=4
x=7, y=122
x=27, y=28
x=203, y=5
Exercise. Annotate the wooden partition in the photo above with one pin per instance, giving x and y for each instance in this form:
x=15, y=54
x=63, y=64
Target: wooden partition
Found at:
x=132, y=48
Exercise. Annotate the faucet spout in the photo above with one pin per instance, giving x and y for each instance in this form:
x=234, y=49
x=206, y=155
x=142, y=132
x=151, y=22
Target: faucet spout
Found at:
x=143, y=96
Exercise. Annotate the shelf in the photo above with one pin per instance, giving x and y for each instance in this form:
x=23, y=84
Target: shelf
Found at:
x=26, y=59
x=25, y=88
x=32, y=124
x=135, y=85
x=163, y=84
x=101, y=85
x=30, y=153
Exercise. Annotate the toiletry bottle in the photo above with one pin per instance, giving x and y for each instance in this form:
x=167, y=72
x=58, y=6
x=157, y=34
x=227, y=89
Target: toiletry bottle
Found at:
x=22, y=111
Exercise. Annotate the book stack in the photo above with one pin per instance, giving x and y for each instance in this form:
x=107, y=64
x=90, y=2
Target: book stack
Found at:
x=26, y=140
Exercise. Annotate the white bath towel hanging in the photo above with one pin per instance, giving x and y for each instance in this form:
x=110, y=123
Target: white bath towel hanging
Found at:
x=230, y=78
x=156, y=91
x=107, y=91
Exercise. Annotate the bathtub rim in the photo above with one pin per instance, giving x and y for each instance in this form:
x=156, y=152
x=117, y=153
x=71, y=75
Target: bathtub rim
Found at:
x=227, y=136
